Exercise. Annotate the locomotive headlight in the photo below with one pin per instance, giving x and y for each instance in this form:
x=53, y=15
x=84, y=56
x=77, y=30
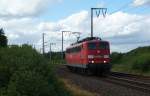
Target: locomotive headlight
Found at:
x=92, y=61
x=90, y=56
x=106, y=56
x=104, y=61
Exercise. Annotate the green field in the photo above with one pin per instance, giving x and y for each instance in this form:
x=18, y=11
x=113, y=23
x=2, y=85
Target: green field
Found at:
x=136, y=61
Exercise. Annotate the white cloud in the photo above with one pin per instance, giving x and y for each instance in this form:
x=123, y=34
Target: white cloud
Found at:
x=13, y=36
x=23, y=8
x=118, y=28
x=117, y=24
x=124, y=30
x=141, y=2
x=20, y=30
x=76, y=22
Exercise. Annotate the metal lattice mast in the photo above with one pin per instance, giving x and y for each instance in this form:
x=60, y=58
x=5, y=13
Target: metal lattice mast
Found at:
x=98, y=11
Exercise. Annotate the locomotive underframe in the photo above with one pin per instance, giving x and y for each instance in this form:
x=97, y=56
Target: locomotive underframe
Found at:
x=98, y=68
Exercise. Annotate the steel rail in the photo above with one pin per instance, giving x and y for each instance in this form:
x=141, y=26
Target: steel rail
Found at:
x=128, y=82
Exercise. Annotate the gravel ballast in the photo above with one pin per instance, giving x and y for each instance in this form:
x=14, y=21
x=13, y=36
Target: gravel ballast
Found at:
x=97, y=84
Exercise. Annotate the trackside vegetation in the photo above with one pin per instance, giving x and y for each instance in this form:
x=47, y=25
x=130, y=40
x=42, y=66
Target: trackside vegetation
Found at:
x=136, y=61
x=3, y=38
x=25, y=72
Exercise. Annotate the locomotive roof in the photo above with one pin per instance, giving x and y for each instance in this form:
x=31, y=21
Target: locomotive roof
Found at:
x=88, y=39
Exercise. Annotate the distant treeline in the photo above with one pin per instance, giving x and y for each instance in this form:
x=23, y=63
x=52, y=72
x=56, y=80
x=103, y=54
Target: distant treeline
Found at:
x=55, y=55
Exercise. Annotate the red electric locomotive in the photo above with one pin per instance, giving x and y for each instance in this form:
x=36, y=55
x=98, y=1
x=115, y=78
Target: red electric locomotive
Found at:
x=89, y=55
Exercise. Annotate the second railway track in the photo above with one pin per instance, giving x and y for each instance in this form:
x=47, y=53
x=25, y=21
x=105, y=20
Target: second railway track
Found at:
x=137, y=82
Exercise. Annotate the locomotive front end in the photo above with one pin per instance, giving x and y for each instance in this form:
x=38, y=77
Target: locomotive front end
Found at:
x=98, y=56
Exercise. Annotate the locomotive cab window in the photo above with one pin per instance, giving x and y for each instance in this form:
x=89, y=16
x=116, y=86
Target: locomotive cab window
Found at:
x=103, y=45
x=91, y=46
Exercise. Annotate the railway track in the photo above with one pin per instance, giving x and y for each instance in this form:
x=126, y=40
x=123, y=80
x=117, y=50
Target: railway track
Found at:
x=137, y=82
x=130, y=75
x=141, y=83
x=106, y=86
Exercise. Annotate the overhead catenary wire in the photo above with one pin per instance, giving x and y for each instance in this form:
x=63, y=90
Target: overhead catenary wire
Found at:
x=135, y=21
x=121, y=8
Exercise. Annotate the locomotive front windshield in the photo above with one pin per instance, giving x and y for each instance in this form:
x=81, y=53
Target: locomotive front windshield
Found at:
x=92, y=46
x=101, y=45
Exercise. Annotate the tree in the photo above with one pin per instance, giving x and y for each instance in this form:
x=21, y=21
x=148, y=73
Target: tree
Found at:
x=3, y=38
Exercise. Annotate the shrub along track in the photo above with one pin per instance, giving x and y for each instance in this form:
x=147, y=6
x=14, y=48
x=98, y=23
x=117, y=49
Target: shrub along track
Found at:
x=101, y=85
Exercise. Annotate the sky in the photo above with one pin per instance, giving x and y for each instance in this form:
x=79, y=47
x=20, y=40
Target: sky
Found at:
x=126, y=25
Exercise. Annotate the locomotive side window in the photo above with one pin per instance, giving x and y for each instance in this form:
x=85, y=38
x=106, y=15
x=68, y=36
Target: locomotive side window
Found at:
x=74, y=49
x=68, y=51
x=103, y=45
x=77, y=49
x=91, y=46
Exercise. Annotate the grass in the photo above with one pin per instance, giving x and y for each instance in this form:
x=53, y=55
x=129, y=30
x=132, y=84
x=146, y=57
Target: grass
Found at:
x=75, y=90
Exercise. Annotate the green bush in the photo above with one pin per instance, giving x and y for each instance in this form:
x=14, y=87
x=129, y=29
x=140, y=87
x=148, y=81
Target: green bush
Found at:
x=28, y=83
x=115, y=57
x=142, y=65
x=25, y=72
